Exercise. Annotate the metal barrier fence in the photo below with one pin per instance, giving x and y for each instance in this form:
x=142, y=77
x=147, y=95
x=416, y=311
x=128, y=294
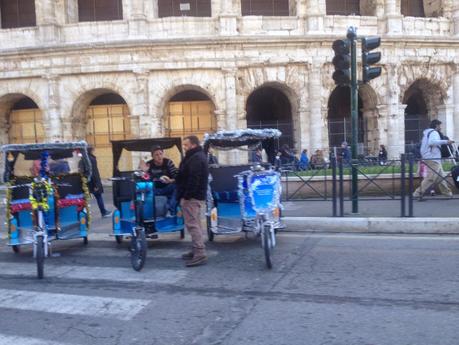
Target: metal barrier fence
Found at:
x=394, y=181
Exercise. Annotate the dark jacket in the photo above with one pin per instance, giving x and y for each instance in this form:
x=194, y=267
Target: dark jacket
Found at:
x=193, y=175
x=95, y=185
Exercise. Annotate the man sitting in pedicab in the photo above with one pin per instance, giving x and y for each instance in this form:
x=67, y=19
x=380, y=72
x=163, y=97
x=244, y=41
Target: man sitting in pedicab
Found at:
x=163, y=172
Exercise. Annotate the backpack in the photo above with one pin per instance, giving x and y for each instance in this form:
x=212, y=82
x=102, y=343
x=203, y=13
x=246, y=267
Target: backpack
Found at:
x=445, y=149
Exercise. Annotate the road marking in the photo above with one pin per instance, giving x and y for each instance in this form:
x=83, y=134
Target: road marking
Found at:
x=115, y=274
x=105, y=307
x=12, y=339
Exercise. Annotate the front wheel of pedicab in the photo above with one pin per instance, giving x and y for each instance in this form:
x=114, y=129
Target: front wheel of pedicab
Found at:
x=16, y=249
x=210, y=234
x=40, y=256
x=267, y=245
x=138, y=249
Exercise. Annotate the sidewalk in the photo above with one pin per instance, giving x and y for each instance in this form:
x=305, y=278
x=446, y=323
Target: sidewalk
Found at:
x=436, y=215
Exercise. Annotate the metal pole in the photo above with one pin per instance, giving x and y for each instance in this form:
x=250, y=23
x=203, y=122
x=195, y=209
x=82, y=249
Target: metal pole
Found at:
x=410, y=185
x=354, y=122
x=341, y=188
x=402, y=186
x=334, y=198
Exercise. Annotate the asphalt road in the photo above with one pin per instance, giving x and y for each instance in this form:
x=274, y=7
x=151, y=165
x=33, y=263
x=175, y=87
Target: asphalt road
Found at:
x=323, y=289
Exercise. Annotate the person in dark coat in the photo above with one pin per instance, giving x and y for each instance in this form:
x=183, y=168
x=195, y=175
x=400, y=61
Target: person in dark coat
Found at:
x=95, y=184
x=192, y=180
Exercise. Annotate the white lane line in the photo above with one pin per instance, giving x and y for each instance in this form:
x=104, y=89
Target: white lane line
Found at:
x=15, y=340
x=105, y=307
x=114, y=274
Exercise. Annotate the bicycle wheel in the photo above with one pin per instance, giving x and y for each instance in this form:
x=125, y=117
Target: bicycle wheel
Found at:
x=119, y=239
x=16, y=249
x=267, y=245
x=138, y=249
x=40, y=256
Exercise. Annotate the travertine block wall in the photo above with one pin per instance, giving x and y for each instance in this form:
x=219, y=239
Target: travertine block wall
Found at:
x=62, y=65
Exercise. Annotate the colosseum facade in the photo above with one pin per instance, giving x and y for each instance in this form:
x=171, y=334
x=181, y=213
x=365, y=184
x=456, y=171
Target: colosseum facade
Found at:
x=113, y=69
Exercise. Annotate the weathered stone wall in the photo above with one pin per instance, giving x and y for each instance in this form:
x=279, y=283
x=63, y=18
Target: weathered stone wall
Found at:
x=62, y=65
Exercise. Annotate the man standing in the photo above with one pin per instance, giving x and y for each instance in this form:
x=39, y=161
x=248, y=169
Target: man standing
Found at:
x=95, y=184
x=430, y=151
x=163, y=172
x=192, y=181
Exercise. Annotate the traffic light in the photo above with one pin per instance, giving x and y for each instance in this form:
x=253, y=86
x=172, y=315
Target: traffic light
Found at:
x=368, y=59
x=342, y=62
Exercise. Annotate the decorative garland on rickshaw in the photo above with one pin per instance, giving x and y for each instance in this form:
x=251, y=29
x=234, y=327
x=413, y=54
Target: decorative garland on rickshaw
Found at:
x=87, y=197
x=46, y=189
x=9, y=194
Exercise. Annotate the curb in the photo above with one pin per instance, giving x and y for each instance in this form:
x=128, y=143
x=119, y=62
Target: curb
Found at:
x=436, y=226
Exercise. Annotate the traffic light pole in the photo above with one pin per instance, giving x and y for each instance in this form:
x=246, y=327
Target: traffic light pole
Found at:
x=355, y=126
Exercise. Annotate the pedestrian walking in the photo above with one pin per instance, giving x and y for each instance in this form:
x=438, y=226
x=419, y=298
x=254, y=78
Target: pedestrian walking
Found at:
x=95, y=184
x=192, y=182
x=431, y=154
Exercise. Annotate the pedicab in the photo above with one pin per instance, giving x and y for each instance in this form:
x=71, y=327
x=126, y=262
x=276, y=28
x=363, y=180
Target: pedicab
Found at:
x=245, y=197
x=139, y=213
x=47, y=195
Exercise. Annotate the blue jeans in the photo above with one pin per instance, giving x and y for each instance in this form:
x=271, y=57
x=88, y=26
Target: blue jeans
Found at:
x=170, y=192
x=100, y=203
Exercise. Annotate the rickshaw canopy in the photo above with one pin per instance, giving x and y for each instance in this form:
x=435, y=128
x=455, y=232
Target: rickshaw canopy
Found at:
x=142, y=145
x=246, y=137
x=56, y=151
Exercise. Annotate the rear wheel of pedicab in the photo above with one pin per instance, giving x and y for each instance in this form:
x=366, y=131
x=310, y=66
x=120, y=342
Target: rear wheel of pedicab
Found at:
x=16, y=249
x=267, y=245
x=138, y=249
x=182, y=234
x=119, y=239
x=85, y=240
x=40, y=256
x=210, y=234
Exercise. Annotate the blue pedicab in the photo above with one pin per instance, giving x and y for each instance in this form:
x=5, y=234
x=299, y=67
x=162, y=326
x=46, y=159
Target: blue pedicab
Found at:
x=245, y=197
x=47, y=195
x=139, y=213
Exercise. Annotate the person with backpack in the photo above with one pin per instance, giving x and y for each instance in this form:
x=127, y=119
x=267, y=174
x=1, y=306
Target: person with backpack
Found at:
x=431, y=153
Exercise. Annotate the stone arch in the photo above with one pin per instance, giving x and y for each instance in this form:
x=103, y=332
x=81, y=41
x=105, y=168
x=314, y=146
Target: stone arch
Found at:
x=188, y=110
x=423, y=98
x=434, y=94
x=280, y=103
x=7, y=103
x=339, y=118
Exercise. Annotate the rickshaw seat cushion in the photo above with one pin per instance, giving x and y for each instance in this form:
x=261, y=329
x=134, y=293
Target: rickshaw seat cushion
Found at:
x=226, y=196
x=20, y=205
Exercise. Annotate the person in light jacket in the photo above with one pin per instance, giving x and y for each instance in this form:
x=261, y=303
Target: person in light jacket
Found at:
x=431, y=154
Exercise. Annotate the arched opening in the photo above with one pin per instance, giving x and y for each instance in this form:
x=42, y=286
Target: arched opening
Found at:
x=190, y=112
x=25, y=121
x=416, y=118
x=190, y=8
x=95, y=10
x=343, y=7
x=17, y=13
x=413, y=8
x=107, y=118
x=265, y=8
x=339, y=119
x=268, y=107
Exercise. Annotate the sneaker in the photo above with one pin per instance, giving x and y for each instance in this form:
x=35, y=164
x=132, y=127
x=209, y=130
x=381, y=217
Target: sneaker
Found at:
x=432, y=193
x=197, y=261
x=188, y=256
x=107, y=214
